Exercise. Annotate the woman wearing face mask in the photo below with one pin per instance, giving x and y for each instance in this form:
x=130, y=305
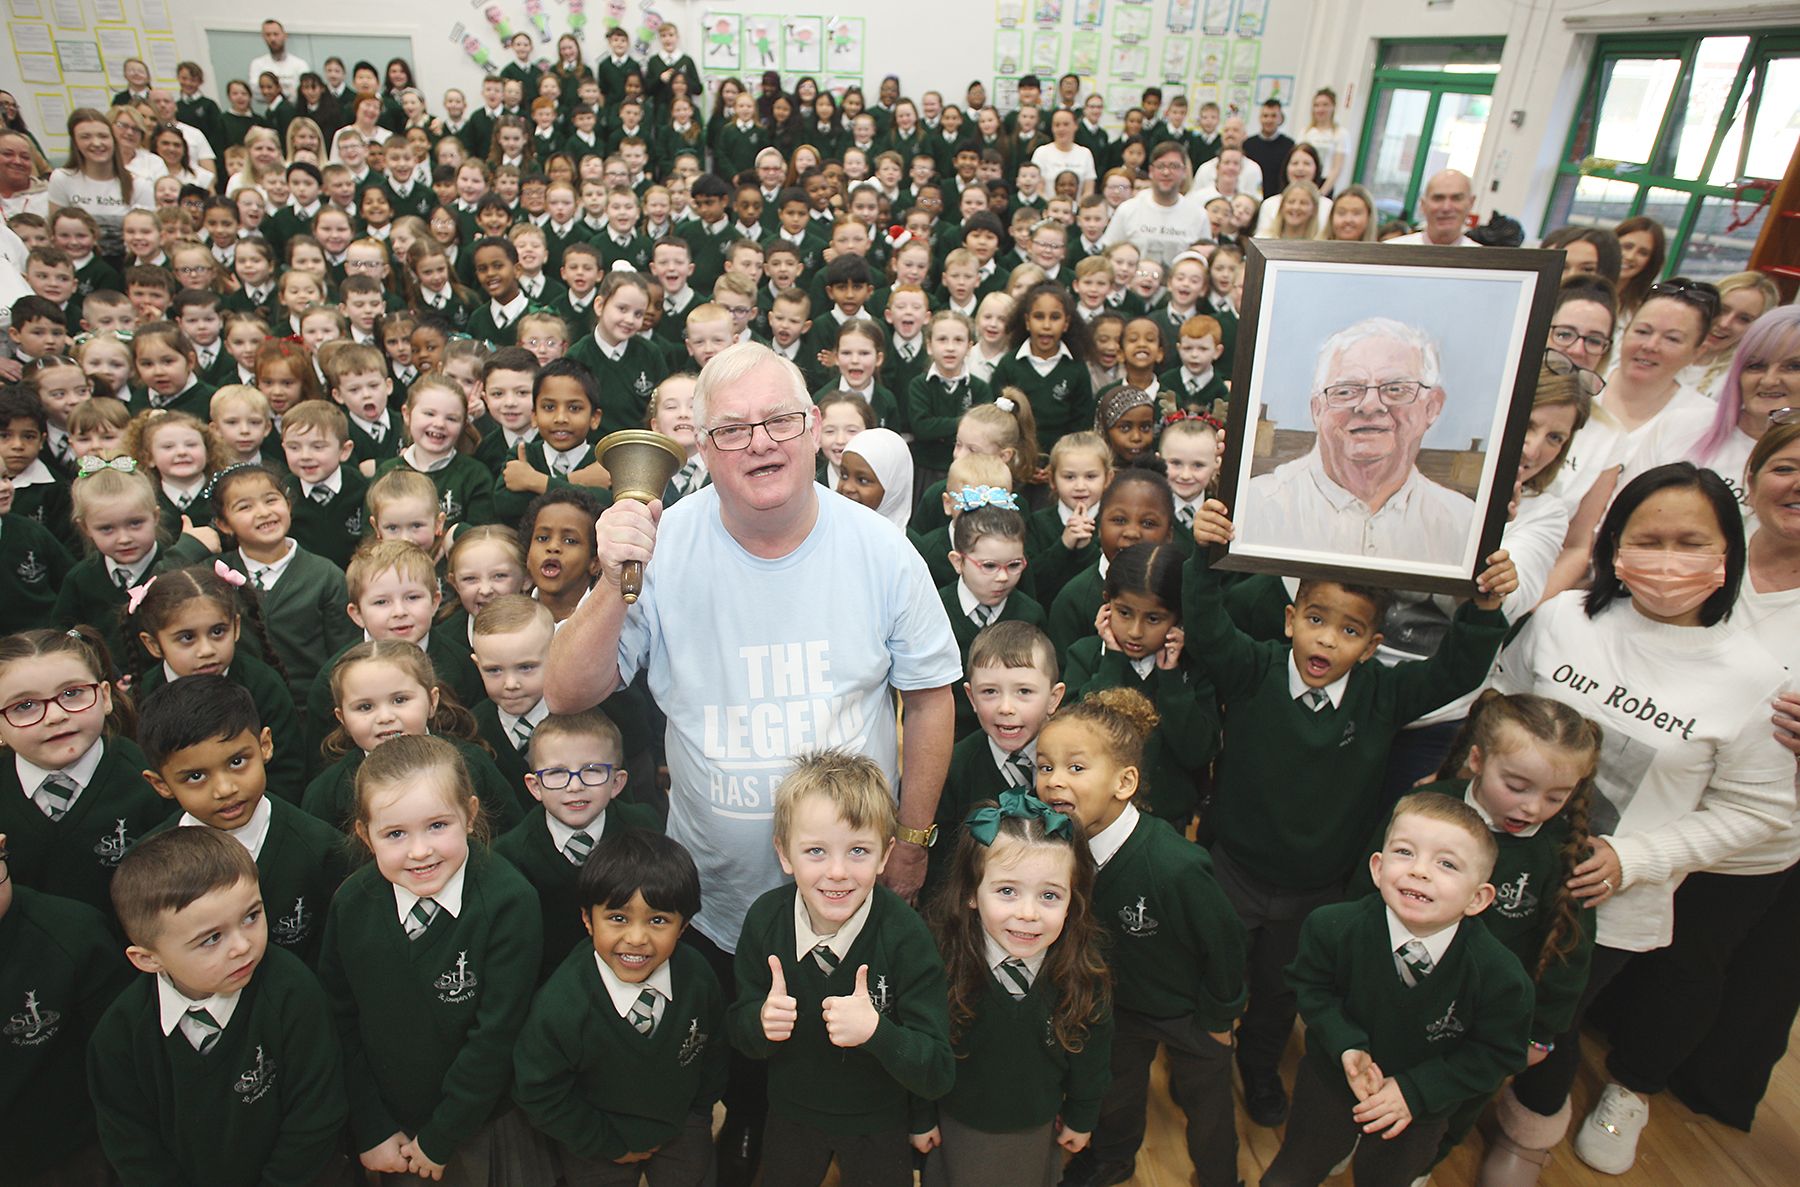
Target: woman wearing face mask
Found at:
x=1709, y=1016
x=1690, y=772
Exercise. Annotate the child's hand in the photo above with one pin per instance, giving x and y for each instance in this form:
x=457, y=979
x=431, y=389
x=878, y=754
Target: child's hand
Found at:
x=207, y=536
x=592, y=474
x=926, y=1142
x=387, y=1157
x=419, y=1164
x=851, y=1021
x=11, y=370
x=1073, y=1141
x=828, y=359
x=367, y=468
x=1103, y=628
x=637, y=1156
x=1212, y=524
x=1079, y=530
x=1385, y=1113
x=1500, y=578
x=1362, y=1074
x=477, y=405
x=779, y=1011
x=1169, y=656
x=519, y=475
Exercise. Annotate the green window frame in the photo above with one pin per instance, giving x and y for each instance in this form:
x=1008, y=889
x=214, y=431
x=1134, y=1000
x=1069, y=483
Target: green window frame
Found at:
x=1704, y=199
x=1438, y=67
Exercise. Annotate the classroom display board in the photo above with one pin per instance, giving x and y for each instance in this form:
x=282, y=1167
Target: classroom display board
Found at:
x=827, y=48
x=484, y=34
x=1209, y=50
x=71, y=53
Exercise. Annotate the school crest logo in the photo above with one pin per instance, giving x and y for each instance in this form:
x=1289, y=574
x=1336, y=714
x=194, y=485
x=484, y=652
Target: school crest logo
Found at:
x=457, y=984
x=1515, y=900
x=642, y=385
x=1447, y=1027
x=1060, y=391
x=34, y=1025
x=1137, y=920
x=692, y=1044
x=353, y=524
x=450, y=507
x=254, y=1084
x=31, y=570
x=111, y=847
x=1349, y=734
x=881, y=995
x=292, y=928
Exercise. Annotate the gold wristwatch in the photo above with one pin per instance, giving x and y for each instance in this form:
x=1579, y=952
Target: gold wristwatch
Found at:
x=926, y=837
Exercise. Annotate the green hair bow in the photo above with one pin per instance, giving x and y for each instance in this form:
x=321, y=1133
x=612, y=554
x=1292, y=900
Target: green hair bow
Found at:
x=984, y=823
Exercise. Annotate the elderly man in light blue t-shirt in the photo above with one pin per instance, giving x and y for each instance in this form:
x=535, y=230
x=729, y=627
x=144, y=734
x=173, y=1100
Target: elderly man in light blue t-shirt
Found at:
x=777, y=618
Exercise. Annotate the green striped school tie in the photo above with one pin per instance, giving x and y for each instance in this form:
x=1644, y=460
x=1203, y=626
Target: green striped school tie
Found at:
x=643, y=1012
x=1014, y=970
x=420, y=917
x=577, y=847
x=200, y=1029
x=826, y=958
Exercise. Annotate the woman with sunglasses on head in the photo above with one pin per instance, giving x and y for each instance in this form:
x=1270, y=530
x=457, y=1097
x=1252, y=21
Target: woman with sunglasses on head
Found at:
x=1743, y=297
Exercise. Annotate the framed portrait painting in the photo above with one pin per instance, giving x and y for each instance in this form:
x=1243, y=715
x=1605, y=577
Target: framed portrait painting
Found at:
x=1379, y=406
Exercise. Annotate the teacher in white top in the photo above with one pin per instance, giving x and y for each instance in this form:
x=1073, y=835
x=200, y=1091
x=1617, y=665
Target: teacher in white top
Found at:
x=1376, y=391
x=97, y=180
x=1063, y=155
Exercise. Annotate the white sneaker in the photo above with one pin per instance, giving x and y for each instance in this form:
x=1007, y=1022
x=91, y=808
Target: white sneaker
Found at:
x=1609, y=1137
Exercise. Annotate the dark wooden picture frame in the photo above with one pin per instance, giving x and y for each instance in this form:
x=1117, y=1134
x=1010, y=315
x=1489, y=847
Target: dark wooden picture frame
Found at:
x=1316, y=287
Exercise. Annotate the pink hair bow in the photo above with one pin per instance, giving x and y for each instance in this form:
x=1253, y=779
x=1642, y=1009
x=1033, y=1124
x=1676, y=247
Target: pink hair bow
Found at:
x=134, y=597
x=227, y=574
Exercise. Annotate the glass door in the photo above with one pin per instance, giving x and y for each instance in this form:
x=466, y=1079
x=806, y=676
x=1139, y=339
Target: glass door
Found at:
x=1428, y=111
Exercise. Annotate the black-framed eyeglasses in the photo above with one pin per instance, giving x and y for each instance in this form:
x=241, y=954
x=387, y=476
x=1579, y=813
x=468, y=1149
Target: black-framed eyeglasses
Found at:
x=1698, y=293
x=1563, y=337
x=783, y=426
x=76, y=698
x=593, y=774
x=1392, y=393
x=1592, y=383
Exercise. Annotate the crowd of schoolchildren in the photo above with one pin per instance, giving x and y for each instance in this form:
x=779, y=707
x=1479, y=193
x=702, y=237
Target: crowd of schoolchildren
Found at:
x=298, y=872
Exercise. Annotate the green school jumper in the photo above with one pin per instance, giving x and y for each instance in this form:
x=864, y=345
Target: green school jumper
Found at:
x=1050, y=564
x=33, y=566
x=46, y=504
x=865, y=1090
x=1072, y=613
x=1178, y=948
x=626, y=385
x=1457, y=1034
x=510, y=505
x=274, y=708
x=89, y=594
x=331, y=795
x=332, y=529
x=578, y=317
x=634, y=251
x=1019, y=607
x=1212, y=397
x=1185, y=738
x=881, y=403
x=60, y=968
x=588, y=1079
x=302, y=863
x=195, y=399
x=1298, y=792
x=933, y=409
x=265, y=1105
x=75, y=856
x=305, y=616
x=934, y=547
x=531, y=848
x=972, y=778
x=1011, y=1072
x=428, y=1025
x=1062, y=401
x=465, y=490
x=737, y=148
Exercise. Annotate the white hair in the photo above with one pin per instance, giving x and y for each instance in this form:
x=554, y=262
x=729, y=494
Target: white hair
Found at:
x=1379, y=327
x=732, y=364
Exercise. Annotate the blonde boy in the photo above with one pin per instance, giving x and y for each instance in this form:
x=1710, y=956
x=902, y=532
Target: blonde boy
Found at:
x=241, y=419
x=708, y=330
x=316, y=447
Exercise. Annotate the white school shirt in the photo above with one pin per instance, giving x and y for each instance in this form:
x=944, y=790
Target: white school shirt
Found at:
x=839, y=942
x=81, y=771
x=1690, y=771
x=172, y=1005
x=449, y=898
x=1435, y=945
x=624, y=995
x=251, y=834
x=1106, y=843
x=271, y=574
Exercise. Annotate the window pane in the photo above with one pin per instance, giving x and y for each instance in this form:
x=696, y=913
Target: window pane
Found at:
x=1716, y=249
x=1634, y=94
x=1399, y=122
x=1777, y=119
x=1667, y=207
x=1451, y=57
x=1456, y=134
x=1715, y=69
x=1600, y=202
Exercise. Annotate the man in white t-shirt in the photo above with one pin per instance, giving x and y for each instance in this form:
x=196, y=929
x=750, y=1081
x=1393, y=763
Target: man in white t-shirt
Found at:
x=286, y=67
x=1250, y=176
x=1444, y=209
x=1160, y=222
x=777, y=618
x=1359, y=490
x=200, y=153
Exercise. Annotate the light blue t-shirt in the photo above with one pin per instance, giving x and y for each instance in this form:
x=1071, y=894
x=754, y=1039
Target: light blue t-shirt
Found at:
x=761, y=661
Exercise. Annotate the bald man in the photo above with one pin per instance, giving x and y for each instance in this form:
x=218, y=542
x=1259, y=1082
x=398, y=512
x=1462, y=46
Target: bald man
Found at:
x=1444, y=210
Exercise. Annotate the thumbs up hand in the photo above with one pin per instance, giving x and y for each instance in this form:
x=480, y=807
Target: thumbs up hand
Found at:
x=851, y=1021
x=779, y=1011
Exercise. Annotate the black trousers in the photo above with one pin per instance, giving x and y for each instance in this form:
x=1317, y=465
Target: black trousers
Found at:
x=1728, y=1072
x=798, y=1155
x=1321, y=1132
x=747, y=1083
x=1199, y=1082
x=1544, y=1088
x=1272, y=916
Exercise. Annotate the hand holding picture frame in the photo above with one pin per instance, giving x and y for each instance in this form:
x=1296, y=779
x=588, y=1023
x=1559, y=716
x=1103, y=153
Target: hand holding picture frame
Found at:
x=1379, y=406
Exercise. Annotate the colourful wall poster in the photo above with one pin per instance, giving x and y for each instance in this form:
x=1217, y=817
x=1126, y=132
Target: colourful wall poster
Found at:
x=1047, y=12
x=1279, y=87
x=762, y=42
x=1009, y=51
x=1131, y=23
x=1215, y=16
x=1238, y=100
x=844, y=39
x=837, y=84
x=1252, y=17
x=1172, y=63
x=1214, y=51
x=1183, y=15
x=1245, y=54
x=1006, y=94
x=802, y=44
x=1046, y=51
x=722, y=41
x=1129, y=60
x=1008, y=13
x=1084, y=53
x=1121, y=97
x=1088, y=13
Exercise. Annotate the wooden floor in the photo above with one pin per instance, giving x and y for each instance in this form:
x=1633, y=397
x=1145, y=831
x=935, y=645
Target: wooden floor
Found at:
x=1678, y=1150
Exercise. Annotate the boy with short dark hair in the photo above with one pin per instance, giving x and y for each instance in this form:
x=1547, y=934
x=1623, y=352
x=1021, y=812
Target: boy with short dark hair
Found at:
x=200, y=314
x=222, y=1027
x=325, y=490
x=51, y=275
x=38, y=494
x=623, y=1055
x=1409, y=1010
x=209, y=752
x=38, y=329
x=840, y=985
